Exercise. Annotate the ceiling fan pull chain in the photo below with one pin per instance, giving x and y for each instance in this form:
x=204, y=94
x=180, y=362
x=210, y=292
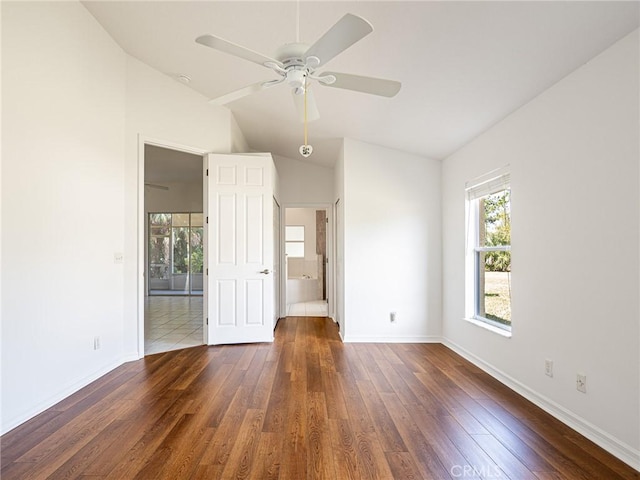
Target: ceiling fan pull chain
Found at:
x=305, y=149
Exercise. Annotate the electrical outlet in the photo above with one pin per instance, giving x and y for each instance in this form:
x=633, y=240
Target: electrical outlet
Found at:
x=581, y=383
x=392, y=317
x=96, y=343
x=548, y=368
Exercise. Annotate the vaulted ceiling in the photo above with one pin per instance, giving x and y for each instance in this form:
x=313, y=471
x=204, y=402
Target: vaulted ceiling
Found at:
x=463, y=65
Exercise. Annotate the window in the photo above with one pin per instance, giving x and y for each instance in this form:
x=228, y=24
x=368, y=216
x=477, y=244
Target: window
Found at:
x=175, y=253
x=489, y=250
x=294, y=241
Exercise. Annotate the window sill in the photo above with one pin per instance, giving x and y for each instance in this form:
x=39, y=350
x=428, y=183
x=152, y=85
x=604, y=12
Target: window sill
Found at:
x=491, y=328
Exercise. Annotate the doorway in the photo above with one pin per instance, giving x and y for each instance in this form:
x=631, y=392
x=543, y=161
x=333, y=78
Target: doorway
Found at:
x=306, y=261
x=173, y=249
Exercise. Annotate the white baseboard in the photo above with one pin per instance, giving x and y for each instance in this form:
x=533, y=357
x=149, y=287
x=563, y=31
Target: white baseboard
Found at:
x=387, y=339
x=10, y=424
x=617, y=448
x=131, y=357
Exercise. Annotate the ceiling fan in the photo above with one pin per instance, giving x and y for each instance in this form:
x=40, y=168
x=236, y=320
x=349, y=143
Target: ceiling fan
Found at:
x=156, y=186
x=296, y=65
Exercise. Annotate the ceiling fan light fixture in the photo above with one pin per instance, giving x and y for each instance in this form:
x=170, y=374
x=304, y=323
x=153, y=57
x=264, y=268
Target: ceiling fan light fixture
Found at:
x=296, y=79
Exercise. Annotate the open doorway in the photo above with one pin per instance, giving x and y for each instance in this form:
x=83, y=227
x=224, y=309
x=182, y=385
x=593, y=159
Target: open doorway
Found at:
x=173, y=249
x=306, y=262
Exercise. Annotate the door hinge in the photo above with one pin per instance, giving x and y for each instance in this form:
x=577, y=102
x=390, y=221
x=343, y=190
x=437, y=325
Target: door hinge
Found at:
x=207, y=271
x=207, y=320
x=207, y=219
x=207, y=172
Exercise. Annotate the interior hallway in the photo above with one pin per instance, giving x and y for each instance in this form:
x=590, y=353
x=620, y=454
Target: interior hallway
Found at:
x=172, y=323
x=316, y=308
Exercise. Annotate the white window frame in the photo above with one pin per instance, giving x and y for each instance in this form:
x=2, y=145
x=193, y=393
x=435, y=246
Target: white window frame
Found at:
x=476, y=189
x=294, y=235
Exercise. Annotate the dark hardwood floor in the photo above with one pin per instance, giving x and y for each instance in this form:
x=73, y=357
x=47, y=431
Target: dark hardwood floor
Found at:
x=306, y=406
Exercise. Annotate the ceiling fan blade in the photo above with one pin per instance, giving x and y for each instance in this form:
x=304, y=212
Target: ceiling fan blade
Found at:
x=312, y=107
x=233, y=49
x=374, y=86
x=237, y=94
x=159, y=187
x=347, y=31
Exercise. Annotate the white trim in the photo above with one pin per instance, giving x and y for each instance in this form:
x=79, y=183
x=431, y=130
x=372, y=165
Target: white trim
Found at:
x=141, y=224
x=500, y=248
x=493, y=182
x=617, y=448
x=61, y=395
x=388, y=339
x=487, y=325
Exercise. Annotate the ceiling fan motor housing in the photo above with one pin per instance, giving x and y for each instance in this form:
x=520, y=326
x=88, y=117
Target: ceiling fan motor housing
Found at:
x=292, y=58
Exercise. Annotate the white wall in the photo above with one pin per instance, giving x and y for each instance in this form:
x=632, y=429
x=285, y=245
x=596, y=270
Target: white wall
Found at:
x=339, y=240
x=62, y=203
x=238, y=141
x=574, y=160
x=303, y=182
x=392, y=245
x=1, y=222
x=74, y=109
x=159, y=108
x=181, y=197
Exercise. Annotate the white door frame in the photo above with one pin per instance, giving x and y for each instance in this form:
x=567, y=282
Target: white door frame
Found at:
x=278, y=244
x=141, y=283
x=329, y=208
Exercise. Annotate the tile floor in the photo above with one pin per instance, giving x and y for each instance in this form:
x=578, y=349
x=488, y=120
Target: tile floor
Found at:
x=175, y=322
x=318, y=308
x=171, y=323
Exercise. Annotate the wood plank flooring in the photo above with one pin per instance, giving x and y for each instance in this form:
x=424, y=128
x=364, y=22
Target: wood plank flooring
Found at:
x=305, y=407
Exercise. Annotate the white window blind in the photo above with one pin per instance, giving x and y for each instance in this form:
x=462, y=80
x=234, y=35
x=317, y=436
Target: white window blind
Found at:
x=489, y=183
x=294, y=233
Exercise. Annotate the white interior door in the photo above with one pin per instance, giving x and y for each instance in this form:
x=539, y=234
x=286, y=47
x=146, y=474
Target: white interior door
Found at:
x=240, y=280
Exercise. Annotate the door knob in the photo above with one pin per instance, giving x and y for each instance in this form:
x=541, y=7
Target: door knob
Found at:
x=265, y=271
